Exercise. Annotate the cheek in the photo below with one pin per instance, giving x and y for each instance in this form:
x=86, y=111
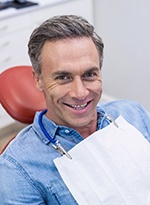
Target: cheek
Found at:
x=96, y=87
x=49, y=86
x=99, y=84
x=54, y=91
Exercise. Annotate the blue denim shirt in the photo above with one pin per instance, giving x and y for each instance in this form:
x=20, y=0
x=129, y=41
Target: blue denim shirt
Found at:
x=27, y=171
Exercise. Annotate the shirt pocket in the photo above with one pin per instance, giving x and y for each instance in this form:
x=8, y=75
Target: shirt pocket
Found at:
x=60, y=193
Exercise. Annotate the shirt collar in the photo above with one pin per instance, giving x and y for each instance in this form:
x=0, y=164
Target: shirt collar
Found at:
x=54, y=129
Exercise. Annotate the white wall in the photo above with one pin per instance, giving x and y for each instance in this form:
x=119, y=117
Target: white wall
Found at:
x=124, y=26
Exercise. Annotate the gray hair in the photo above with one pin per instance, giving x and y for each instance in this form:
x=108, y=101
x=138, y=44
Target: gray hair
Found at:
x=57, y=28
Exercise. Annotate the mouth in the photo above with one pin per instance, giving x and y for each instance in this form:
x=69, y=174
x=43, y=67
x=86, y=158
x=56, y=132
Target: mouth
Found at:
x=78, y=107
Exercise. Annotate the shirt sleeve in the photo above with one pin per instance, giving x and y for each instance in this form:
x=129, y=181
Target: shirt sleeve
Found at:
x=145, y=116
x=15, y=186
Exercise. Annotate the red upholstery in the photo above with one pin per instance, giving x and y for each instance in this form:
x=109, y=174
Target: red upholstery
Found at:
x=18, y=94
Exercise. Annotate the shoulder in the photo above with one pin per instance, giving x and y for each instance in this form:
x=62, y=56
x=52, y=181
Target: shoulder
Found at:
x=131, y=111
x=116, y=103
x=122, y=107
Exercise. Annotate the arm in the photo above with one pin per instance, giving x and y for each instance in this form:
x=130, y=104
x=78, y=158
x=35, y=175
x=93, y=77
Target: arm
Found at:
x=145, y=115
x=15, y=185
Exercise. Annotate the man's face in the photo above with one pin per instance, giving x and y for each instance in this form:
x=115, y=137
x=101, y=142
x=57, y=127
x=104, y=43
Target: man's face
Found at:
x=71, y=81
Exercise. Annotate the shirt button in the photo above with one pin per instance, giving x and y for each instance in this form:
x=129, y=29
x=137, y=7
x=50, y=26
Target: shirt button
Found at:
x=67, y=131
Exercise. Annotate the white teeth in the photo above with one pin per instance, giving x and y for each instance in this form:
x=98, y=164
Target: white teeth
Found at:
x=78, y=107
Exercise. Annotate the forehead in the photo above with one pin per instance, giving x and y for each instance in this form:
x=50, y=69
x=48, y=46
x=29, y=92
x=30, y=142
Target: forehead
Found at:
x=70, y=53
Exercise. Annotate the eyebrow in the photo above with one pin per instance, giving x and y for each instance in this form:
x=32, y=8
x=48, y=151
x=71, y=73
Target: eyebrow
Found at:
x=60, y=73
x=92, y=69
x=69, y=73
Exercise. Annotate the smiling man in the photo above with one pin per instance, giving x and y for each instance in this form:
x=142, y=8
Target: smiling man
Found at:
x=71, y=80
x=66, y=55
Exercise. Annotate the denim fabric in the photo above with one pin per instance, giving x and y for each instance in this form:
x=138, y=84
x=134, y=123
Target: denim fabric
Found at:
x=27, y=172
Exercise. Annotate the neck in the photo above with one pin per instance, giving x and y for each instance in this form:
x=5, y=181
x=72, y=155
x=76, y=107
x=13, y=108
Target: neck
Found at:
x=87, y=131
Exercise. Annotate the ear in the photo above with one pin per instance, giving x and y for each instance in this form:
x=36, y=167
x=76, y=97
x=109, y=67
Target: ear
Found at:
x=37, y=81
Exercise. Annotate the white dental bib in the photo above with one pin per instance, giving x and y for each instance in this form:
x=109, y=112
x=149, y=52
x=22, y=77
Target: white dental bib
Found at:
x=110, y=167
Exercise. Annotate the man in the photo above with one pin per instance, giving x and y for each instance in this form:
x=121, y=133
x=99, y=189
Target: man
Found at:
x=66, y=56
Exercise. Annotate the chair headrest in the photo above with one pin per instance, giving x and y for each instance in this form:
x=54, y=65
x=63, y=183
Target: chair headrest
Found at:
x=18, y=94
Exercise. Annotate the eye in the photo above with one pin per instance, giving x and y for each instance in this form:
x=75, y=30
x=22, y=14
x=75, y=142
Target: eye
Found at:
x=91, y=75
x=63, y=78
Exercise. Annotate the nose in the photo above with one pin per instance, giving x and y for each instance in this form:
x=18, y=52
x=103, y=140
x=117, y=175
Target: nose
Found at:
x=78, y=89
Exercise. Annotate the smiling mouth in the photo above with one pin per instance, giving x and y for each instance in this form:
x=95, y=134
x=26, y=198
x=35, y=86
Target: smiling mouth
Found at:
x=78, y=107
